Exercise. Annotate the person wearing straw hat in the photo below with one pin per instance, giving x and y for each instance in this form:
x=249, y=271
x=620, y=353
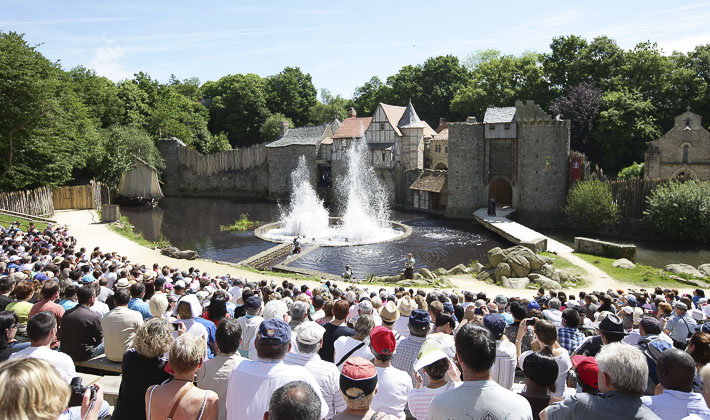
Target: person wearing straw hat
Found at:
x=441, y=372
x=405, y=307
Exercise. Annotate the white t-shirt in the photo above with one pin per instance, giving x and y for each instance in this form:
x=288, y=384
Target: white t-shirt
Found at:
x=61, y=361
x=676, y=405
x=479, y=400
x=344, y=344
x=401, y=325
x=564, y=364
x=419, y=399
x=100, y=308
x=112, y=277
x=252, y=383
x=104, y=293
x=393, y=386
x=194, y=328
x=236, y=293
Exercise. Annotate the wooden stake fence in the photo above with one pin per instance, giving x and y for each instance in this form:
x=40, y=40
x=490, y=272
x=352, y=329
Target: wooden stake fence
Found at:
x=37, y=202
x=213, y=164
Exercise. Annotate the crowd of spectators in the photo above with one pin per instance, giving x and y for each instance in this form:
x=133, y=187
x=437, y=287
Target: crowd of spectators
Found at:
x=196, y=345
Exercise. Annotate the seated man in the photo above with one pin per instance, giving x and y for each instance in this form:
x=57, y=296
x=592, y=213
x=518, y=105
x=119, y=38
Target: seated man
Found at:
x=295, y=400
x=394, y=384
x=308, y=341
x=676, y=400
x=358, y=384
x=253, y=381
x=214, y=373
x=81, y=335
x=42, y=330
x=119, y=327
x=478, y=397
x=622, y=377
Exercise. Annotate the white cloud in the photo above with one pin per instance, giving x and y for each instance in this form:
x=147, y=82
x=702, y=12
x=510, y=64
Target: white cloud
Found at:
x=108, y=62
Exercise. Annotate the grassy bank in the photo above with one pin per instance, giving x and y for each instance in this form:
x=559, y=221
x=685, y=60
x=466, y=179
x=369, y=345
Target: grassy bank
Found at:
x=124, y=228
x=642, y=275
x=6, y=219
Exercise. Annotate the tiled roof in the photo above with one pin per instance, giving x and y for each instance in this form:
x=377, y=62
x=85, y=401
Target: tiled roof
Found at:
x=303, y=136
x=428, y=131
x=430, y=181
x=394, y=114
x=499, y=115
x=352, y=127
x=442, y=126
x=443, y=134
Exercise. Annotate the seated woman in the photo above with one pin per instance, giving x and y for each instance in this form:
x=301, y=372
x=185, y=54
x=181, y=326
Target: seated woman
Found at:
x=22, y=307
x=178, y=398
x=699, y=349
x=443, y=376
x=545, y=341
x=8, y=329
x=541, y=372
x=143, y=366
x=31, y=388
x=356, y=346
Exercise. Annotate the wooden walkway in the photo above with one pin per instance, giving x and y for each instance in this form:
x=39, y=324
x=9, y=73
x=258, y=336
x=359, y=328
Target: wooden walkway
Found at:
x=515, y=232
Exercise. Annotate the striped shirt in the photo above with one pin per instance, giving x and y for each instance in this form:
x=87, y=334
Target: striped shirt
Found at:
x=419, y=399
x=326, y=375
x=503, y=371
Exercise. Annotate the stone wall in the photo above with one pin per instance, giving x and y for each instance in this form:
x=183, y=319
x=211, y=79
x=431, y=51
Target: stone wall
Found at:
x=182, y=177
x=664, y=156
x=605, y=249
x=283, y=161
x=466, y=170
x=542, y=171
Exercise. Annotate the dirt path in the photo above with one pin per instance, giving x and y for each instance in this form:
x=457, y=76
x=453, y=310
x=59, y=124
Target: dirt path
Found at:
x=84, y=227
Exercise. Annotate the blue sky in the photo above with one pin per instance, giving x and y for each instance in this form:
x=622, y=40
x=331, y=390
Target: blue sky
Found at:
x=341, y=44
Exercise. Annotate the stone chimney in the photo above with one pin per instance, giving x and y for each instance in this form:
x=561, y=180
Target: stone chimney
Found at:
x=284, y=128
x=471, y=120
x=352, y=113
x=442, y=120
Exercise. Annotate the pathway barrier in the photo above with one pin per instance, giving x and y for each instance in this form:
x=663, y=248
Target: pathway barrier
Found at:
x=514, y=231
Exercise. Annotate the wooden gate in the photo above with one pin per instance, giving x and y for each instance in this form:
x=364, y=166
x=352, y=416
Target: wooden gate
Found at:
x=78, y=197
x=501, y=190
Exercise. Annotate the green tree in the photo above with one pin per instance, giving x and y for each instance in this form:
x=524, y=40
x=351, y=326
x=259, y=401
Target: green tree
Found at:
x=627, y=121
x=271, y=129
x=28, y=84
x=136, y=104
x=501, y=81
x=564, y=65
x=330, y=107
x=292, y=94
x=681, y=210
x=99, y=94
x=369, y=95
x=120, y=144
x=238, y=107
x=591, y=205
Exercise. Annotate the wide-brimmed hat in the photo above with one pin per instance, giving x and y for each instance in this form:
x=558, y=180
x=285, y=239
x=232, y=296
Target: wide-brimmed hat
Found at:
x=389, y=312
x=612, y=324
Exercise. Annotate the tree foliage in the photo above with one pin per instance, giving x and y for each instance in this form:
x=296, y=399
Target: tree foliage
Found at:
x=591, y=205
x=271, y=128
x=681, y=210
x=292, y=94
x=581, y=105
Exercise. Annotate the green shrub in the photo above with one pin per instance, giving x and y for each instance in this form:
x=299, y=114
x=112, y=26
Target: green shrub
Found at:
x=631, y=172
x=590, y=204
x=681, y=210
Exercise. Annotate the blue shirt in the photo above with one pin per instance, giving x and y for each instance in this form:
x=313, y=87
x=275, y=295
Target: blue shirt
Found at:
x=67, y=304
x=140, y=306
x=211, y=331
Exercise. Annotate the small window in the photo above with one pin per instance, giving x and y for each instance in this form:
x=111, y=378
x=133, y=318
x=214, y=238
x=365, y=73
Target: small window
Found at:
x=382, y=126
x=506, y=126
x=446, y=149
x=685, y=154
x=491, y=126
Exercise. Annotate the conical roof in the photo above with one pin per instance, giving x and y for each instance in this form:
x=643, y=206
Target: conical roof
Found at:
x=410, y=119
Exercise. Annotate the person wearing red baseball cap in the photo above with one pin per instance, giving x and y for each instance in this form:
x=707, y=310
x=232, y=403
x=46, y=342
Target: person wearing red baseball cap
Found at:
x=394, y=385
x=587, y=373
x=358, y=384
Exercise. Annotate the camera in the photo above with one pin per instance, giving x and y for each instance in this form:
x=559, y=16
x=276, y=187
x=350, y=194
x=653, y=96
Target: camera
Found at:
x=77, y=392
x=530, y=321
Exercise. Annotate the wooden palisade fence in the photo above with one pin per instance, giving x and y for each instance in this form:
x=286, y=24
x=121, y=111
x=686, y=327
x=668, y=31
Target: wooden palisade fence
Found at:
x=215, y=163
x=78, y=197
x=37, y=202
x=630, y=194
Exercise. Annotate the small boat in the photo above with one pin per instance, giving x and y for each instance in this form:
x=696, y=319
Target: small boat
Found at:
x=139, y=186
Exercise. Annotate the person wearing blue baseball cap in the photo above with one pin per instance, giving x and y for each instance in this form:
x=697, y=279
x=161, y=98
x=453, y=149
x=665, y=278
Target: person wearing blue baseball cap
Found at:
x=408, y=349
x=252, y=382
x=503, y=370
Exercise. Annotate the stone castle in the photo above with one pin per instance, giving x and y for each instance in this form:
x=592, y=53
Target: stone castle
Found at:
x=518, y=155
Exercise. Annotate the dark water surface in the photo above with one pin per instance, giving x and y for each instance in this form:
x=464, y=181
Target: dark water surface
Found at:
x=194, y=224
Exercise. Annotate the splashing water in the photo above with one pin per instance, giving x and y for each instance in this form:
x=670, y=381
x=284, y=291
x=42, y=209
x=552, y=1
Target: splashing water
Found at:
x=365, y=207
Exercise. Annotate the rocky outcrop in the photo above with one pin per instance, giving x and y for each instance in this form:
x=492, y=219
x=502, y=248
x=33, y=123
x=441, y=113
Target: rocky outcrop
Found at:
x=519, y=267
x=684, y=269
x=173, y=252
x=623, y=263
x=426, y=273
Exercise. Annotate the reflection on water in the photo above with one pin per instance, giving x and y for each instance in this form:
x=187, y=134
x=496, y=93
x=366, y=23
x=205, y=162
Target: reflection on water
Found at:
x=194, y=224
x=653, y=253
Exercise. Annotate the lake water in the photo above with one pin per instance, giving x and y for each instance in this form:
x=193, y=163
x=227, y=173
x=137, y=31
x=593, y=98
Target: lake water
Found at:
x=193, y=223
